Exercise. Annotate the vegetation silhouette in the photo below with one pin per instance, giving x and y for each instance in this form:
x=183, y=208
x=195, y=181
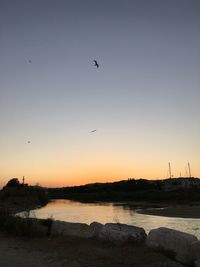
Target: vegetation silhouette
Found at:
x=169, y=190
x=16, y=197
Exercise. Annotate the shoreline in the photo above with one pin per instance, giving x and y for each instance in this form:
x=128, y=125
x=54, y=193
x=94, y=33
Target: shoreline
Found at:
x=15, y=208
x=191, y=210
x=176, y=211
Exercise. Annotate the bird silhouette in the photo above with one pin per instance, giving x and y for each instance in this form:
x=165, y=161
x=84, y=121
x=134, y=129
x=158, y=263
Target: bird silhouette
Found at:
x=29, y=142
x=30, y=61
x=93, y=131
x=96, y=64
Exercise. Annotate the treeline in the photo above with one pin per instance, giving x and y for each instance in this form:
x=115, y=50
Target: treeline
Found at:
x=133, y=190
x=16, y=196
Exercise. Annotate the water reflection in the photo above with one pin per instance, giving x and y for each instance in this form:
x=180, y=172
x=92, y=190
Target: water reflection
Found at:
x=72, y=211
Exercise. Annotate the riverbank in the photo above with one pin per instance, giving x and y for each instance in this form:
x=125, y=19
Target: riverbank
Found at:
x=177, y=211
x=14, y=205
x=165, y=209
x=22, y=198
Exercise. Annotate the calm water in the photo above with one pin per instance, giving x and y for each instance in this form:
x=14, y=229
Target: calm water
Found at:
x=72, y=211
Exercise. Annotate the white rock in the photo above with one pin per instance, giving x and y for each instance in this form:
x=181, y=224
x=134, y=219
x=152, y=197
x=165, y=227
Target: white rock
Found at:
x=120, y=233
x=95, y=228
x=172, y=241
x=197, y=263
x=111, y=235
x=71, y=229
x=195, y=251
x=167, y=263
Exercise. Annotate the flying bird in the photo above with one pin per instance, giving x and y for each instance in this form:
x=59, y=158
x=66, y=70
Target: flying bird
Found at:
x=96, y=64
x=29, y=142
x=93, y=131
x=30, y=61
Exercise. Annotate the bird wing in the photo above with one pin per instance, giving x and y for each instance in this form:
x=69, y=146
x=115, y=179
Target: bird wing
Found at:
x=95, y=63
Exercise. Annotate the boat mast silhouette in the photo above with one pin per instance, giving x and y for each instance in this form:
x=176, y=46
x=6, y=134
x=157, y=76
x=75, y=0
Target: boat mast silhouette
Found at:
x=189, y=170
x=170, y=171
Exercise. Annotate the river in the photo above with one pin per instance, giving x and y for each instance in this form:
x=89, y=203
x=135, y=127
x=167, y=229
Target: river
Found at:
x=73, y=211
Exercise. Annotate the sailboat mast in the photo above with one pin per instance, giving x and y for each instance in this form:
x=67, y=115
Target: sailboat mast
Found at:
x=189, y=170
x=170, y=171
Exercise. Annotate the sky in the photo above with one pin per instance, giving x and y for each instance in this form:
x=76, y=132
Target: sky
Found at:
x=143, y=100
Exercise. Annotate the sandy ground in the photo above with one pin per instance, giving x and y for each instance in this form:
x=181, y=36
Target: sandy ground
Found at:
x=181, y=211
x=70, y=252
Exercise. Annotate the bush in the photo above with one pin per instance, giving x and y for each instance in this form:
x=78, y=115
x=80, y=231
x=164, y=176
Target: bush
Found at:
x=26, y=226
x=14, y=182
x=4, y=217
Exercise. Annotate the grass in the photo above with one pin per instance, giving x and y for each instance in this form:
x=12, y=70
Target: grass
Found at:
x=26, y=226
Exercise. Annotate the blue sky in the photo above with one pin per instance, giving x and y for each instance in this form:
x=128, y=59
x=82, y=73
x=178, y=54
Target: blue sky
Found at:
x=143, y=100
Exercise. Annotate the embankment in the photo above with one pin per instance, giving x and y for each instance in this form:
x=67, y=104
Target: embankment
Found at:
x=177, y=248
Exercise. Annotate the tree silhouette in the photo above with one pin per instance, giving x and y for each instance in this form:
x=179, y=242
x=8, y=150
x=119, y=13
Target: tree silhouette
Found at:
x=14, y=182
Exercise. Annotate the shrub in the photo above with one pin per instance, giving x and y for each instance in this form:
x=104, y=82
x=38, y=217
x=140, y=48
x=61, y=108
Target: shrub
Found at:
x=25, y=226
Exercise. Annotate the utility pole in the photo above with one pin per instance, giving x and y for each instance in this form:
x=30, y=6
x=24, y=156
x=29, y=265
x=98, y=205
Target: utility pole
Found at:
x=23, y=180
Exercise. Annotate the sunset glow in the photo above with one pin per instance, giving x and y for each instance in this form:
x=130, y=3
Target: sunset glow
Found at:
x=143, y=100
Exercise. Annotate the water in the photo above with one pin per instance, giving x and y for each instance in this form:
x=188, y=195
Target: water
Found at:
x=73, y=211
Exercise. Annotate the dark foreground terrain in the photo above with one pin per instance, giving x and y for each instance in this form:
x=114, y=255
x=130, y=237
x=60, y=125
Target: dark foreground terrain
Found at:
x=74, y=252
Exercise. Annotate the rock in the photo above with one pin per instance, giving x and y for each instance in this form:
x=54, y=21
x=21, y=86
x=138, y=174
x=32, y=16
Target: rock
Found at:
x=95, y=229
x=175, y=243
x=111, y=235
x=197, y=263
x=168, y=263
x=76, y=229
x=195, y=251
x=120, y=233
x=71, y=229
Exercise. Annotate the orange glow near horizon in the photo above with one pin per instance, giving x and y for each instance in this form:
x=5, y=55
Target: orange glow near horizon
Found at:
x=88, y=171
x=97, y=159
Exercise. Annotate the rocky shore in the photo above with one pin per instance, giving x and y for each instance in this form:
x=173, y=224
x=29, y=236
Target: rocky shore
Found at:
x=58, y=243
x=175, y=247
x=180, y=246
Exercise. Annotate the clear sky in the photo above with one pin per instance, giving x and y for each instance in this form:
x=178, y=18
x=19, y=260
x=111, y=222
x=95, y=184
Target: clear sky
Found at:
x=143, y=100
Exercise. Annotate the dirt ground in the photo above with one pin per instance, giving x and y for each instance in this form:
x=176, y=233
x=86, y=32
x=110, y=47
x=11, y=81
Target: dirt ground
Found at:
x=74, y=252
